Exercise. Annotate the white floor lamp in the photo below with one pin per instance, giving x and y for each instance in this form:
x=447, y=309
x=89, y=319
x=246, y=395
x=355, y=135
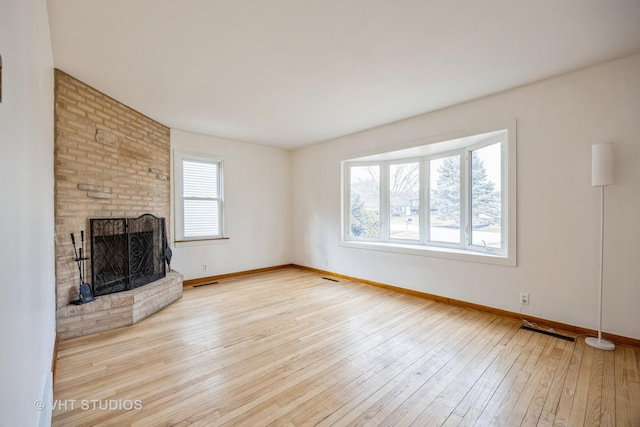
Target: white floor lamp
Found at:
x=601, y=175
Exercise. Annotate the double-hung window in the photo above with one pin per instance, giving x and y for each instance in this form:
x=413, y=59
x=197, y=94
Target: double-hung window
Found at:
x=199, y=203
x=453, y=197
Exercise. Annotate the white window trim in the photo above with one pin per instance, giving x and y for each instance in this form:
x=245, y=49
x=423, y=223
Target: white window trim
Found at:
x=423, y=247
x=178, y=157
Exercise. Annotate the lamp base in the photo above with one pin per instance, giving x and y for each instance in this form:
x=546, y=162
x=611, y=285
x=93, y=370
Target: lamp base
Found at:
x=600, y=343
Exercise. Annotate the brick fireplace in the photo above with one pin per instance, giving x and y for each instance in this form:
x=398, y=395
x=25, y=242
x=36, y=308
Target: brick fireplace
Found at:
x=126, y=253
x=110, y=162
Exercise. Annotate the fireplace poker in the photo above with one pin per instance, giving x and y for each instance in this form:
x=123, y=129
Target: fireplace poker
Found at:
x=82, y=258
x=84, y=288
x=77, y=259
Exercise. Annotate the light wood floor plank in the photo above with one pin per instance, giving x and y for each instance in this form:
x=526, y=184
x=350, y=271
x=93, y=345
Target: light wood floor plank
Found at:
x=379, y=405
x=515, y=406
x=542, y=380
x=508, y=388
x=406, y=395
x=351, y=371
x=439, y=376
x=594, y=396
x=322, y=408
x=442, y=408
x=634, y=403
x=632, y=366
x=552, y=400
x=569, y=389
x=608, y=408
x=475, y=401
x=443, y=405
x=623, y=411
x=580, y=400
x=289, y=348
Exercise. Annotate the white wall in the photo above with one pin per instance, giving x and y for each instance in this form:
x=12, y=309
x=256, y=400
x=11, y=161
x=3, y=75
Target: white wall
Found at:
x=558, y=211
x=27, y=306
x=257, y=201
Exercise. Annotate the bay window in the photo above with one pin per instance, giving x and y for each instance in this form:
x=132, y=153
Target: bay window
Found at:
x=450, y=198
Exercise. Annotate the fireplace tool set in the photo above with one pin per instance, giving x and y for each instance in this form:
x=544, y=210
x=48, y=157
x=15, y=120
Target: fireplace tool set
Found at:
x=85, y=288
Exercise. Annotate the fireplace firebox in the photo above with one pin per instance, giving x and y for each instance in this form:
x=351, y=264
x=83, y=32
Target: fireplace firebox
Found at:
x=127, y=253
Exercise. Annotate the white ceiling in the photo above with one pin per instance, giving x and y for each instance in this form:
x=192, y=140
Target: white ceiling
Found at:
x=293, y=72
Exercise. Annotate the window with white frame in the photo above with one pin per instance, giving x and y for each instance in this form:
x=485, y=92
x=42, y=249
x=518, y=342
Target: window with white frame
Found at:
x=450, y=197
x=199, y=203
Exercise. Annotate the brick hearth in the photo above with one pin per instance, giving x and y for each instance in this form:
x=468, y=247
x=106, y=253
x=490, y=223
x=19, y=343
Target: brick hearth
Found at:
x=120, y=309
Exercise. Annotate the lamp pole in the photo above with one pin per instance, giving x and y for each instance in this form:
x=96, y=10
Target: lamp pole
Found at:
x=601, y=175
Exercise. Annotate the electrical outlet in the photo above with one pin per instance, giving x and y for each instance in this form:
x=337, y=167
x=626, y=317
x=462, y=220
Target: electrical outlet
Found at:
x=204, y=267
x=326, y=263
x=524, y=298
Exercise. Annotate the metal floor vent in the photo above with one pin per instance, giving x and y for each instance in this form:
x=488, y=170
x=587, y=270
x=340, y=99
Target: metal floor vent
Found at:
x=205, y=284
x=330, y=279
x=553, y=334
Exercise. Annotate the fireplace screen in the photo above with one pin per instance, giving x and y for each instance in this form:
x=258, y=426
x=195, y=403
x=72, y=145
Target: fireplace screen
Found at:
x=126, y=252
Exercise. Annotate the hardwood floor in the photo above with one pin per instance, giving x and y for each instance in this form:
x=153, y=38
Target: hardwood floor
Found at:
x=289, y=348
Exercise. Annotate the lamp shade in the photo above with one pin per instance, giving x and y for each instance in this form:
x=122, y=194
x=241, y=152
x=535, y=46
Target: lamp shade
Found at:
x=601, y=164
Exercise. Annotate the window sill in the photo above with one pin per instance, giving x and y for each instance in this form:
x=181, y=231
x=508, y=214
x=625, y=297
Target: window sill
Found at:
x=433, y=251
x=200, y=242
